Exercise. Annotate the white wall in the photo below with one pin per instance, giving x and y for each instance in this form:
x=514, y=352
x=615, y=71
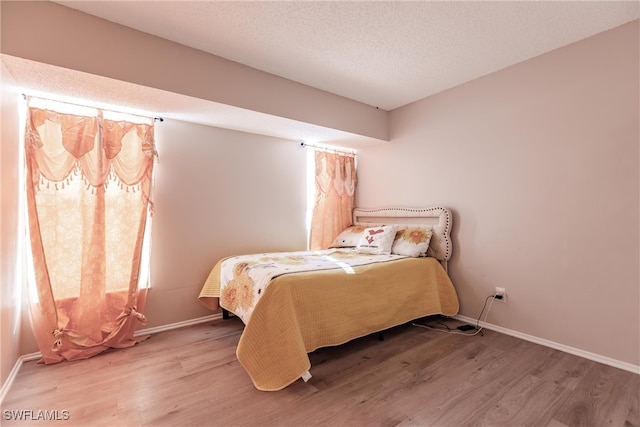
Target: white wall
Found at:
x=540, y=163
x=218, y=193
x=10, y=273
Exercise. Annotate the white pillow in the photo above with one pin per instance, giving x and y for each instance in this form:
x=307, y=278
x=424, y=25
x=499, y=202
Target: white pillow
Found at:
x=377, y=240
x=349, y=237
x=412, y=241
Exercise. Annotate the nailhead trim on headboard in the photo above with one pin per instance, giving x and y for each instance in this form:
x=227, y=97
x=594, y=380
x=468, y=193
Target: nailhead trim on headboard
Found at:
x=440, y=246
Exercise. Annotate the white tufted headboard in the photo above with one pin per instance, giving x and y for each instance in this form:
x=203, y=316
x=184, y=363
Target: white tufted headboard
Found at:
x=438, y=218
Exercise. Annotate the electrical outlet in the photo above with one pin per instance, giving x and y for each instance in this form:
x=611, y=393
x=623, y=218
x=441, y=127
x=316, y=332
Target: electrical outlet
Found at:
x=503, y=292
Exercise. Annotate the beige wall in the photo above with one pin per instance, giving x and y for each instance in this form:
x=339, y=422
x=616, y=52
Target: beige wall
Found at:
x=10, y=272
x=540, y=163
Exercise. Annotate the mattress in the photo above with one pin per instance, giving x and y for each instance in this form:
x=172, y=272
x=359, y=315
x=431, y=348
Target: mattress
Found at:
x=302, y=311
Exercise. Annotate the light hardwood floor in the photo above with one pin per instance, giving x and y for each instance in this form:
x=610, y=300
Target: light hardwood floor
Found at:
x=415, y=377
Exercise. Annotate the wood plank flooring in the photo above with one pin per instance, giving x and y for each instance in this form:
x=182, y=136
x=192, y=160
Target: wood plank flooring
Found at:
x=415, y=377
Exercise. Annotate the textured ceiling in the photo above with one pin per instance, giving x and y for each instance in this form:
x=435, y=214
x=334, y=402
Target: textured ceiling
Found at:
x=385, y=54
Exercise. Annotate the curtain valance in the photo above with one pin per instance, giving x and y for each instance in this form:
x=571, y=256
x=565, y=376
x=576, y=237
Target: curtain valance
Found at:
x=99, y=149
x=337, y=170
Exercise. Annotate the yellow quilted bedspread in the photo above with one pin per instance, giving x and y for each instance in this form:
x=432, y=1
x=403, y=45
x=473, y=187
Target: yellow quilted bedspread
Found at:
x=304, y=311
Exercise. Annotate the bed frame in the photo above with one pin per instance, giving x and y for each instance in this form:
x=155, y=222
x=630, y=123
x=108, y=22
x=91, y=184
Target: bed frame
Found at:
x=275, y=345
x=439, y=218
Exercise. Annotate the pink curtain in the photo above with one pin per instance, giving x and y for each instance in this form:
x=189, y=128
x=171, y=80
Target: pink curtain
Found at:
x=335, y=195
x=88, y=189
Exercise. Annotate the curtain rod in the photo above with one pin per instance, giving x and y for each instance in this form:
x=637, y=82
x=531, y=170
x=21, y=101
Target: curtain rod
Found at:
x=25, y=96
x=338, y=150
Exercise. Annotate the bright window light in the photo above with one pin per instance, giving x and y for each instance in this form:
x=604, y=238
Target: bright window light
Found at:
x=311, y=191
x=83, y=108
x=24, y=244
x=346, y=267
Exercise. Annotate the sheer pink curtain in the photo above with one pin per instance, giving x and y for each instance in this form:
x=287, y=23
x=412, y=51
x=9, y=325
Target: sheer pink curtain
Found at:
x=335, y=195
x=88, y=189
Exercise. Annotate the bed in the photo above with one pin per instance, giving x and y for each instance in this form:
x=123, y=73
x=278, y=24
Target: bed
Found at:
x=293, y=303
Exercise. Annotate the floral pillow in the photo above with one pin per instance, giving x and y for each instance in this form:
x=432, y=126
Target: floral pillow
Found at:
x=349, y=237
x=377, y=240
x=412, y=242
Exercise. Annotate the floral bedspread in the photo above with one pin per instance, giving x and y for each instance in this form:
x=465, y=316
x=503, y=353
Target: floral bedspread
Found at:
x=244, y=279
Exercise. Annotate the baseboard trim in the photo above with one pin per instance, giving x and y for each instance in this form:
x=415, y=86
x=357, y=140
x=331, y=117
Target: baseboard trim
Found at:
x=149, y=331
x=14, y=372
x=557, y=346
x=178, y=325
